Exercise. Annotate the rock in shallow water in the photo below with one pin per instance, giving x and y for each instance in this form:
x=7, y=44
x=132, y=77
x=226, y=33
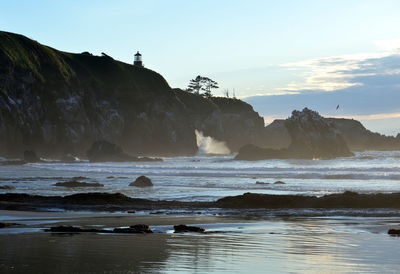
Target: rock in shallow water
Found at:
x=104, y=151
x=142, y=181
x=394, y=232
x=261, y=183
x=78, y=184
x=186, y=228
x=74, y=229
x=134, y=229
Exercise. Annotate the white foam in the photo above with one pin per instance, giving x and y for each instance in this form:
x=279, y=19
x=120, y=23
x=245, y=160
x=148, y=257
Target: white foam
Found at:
x=209, y=145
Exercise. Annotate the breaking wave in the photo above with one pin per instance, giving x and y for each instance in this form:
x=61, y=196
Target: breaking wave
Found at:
x=208, y=145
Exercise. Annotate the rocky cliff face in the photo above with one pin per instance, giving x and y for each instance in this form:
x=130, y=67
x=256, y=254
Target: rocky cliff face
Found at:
x=56, y=103
x=312, y=137
x=356, y=136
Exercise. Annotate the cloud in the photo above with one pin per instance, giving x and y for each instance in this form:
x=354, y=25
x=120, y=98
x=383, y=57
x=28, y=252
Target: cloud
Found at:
x=342, y=72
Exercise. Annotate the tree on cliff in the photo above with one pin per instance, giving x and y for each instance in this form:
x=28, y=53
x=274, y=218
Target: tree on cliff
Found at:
x=201, y=83
x=195, y=85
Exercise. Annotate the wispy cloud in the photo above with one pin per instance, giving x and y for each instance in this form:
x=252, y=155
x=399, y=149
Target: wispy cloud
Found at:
x=341, y=72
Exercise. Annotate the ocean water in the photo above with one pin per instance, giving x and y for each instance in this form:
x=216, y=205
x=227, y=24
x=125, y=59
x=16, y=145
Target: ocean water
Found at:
x=261, y=241
x=207, y=178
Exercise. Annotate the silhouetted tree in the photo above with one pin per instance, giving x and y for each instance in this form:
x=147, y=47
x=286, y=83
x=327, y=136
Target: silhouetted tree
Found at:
x=195, y=85
x=202, y=83
x=208, y=85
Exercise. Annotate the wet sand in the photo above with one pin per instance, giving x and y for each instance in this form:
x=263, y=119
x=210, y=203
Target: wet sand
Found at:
x=39, y=220
x=274, y=245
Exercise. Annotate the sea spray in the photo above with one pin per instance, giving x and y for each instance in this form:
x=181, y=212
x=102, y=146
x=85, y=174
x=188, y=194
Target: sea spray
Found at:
x=208, y=145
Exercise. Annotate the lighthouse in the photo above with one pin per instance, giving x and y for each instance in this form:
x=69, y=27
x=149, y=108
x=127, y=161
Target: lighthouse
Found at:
x=137, y=61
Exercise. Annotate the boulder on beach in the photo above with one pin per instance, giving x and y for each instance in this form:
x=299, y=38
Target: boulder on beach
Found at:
x=186, y=228
x=142, y=181
x=134, y=229
x=261, y=183
x=74, y=229
x=74, y=183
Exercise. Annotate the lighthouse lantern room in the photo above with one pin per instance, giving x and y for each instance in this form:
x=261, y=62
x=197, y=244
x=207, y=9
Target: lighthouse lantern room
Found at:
x=137, y=61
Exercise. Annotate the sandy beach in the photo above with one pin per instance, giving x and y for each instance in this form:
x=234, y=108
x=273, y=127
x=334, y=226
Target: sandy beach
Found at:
x=301, y=245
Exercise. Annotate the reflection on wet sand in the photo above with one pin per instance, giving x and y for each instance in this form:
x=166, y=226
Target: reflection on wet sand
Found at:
x=301, y=246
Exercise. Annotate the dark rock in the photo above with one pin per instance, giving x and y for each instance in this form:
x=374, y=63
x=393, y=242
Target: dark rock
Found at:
x=355, y=135
x=312, y=137
x=185, y=228
x=3, y=225
x=7, y=187
x=134, y=229
x=347, y=199
x=74, y=229
x=31, y=157
x=394, y=232
x=104, y=151
x=99, y=198
x=142, y=181
x=120, y=202
x=279, y=183
x=78, y=184
x=261, y=183
x=358, y=138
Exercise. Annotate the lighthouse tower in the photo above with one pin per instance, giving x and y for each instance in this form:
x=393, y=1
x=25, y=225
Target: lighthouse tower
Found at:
x=137, y=61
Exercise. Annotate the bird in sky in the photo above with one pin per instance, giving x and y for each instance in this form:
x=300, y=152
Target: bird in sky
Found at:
x=337, y=107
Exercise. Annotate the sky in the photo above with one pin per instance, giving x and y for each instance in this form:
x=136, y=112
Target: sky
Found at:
x=276, y=55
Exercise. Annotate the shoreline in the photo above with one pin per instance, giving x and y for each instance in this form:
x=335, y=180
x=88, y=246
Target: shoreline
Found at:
x=105, y=202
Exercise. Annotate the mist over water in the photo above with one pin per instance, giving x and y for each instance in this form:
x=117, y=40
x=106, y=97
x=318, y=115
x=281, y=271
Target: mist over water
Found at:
x=208, y=145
